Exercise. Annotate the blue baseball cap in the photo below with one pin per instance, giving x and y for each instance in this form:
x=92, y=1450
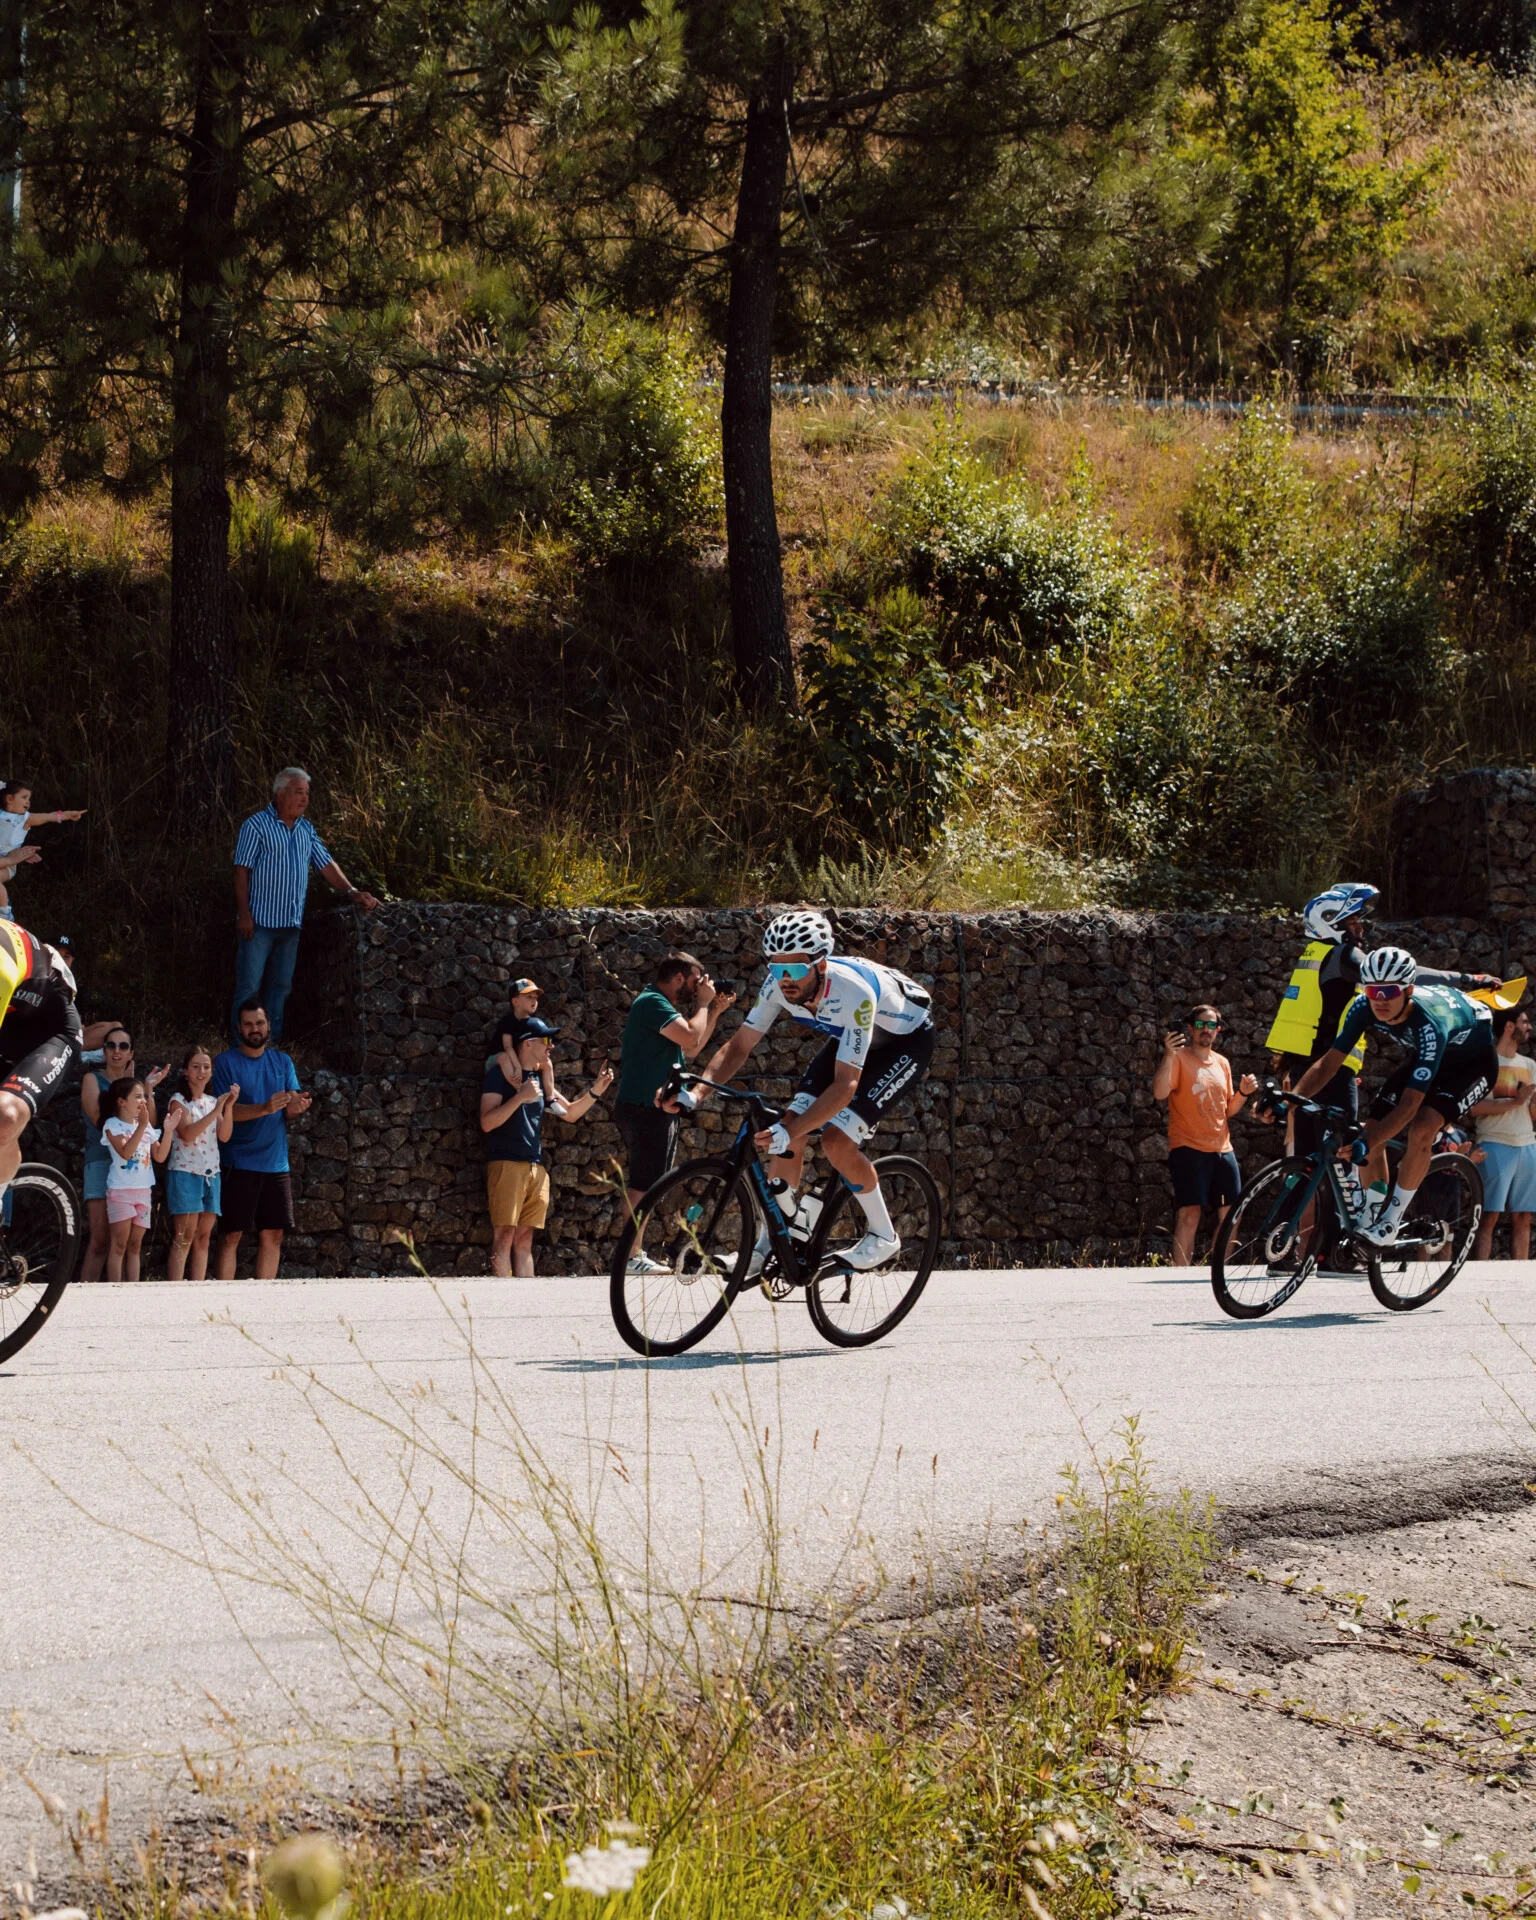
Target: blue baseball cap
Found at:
x=532, y=1028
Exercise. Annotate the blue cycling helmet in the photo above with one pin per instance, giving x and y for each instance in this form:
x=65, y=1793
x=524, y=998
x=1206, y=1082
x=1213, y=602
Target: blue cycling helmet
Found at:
x=1324, y=917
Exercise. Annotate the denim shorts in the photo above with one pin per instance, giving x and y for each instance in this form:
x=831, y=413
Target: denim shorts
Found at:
x=191, y=1192
x=1509, y=1178
x=96, y=1179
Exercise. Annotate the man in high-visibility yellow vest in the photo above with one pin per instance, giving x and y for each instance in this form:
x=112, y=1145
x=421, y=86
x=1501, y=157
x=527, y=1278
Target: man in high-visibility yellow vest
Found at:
x=1325, y=979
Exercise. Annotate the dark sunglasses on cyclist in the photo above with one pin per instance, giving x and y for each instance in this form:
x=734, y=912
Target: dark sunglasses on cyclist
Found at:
x=789, y=969
x=1382, y=991
x=1214, y=1026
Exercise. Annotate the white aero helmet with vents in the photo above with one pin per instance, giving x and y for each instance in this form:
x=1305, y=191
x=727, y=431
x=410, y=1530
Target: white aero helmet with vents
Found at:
x=802, y=931
x=1324, y=917
x=1389, y=965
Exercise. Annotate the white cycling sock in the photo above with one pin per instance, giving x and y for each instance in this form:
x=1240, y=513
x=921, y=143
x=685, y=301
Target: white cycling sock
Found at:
x=1396, y=1207
x=876, y=1212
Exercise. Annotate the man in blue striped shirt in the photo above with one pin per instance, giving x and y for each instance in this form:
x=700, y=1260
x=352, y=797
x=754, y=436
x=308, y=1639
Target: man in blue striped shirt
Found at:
x=273, y=857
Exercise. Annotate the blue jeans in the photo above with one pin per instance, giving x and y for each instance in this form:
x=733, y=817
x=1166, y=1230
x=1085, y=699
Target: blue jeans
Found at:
x=264, y=969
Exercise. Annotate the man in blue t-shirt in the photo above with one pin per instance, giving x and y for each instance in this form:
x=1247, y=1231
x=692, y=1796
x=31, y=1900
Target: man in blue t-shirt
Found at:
x=512, y=1108
x=256, y=1191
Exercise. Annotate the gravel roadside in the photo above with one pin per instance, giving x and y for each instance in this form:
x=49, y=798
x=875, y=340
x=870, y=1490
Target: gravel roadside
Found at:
x=1358, y=1729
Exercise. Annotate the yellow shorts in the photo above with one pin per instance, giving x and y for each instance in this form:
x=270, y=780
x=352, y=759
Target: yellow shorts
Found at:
x=518, y=1191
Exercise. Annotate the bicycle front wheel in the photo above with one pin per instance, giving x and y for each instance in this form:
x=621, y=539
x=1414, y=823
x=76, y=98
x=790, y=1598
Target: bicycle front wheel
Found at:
x=1262, y=1251
x=1438, y=1230
x=683, y=1258
x=38, y=1250
x=853, y=1309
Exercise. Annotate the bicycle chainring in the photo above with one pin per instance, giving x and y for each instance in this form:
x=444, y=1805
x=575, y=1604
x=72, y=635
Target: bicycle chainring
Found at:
x=776, y=1286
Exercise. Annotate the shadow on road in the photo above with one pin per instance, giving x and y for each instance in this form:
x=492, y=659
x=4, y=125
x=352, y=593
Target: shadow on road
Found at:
x=682, y=1362
x=1366, y=1319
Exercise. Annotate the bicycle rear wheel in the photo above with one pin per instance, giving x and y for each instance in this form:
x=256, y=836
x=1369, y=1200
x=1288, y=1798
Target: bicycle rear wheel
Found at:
x=853, y=1309
x=1262, y=1252
x=1450, y=1197
x=695, y=1227
x=38, y=1251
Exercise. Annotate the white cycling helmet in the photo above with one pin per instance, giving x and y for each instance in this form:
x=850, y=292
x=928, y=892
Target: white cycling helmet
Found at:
x=1389, y=964
x=803, y=931
x=1323, y=917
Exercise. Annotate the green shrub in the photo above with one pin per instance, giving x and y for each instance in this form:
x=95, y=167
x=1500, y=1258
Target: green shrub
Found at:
x=1252, y=499
x=274, y=557
x=1175, y=759
x=1487, y=515
x=633, y=452
x=894, y=725
x=1356, y=650
x=1001, y=578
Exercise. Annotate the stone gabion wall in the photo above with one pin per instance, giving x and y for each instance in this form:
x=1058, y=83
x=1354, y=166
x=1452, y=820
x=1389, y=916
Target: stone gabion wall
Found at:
x=1467, y=845
x=1037, y=1118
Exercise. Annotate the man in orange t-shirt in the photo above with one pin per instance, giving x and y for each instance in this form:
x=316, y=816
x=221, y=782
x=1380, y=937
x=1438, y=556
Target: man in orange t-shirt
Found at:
x=1196, y=1081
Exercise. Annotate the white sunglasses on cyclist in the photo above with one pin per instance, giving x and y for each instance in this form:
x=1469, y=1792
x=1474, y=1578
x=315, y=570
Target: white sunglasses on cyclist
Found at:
x=790, y=969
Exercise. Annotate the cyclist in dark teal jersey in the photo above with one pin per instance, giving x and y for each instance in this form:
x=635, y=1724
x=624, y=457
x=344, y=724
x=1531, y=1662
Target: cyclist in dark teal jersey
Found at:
x=1452, y=1065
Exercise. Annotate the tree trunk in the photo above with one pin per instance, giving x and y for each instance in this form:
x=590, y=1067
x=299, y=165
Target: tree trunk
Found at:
x=765, y=671
x=12, y=53
x=200, y=746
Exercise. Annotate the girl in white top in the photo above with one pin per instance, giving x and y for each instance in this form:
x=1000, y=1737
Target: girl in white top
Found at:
x=15, y=820
x=132, y=1142
x=195, y=1124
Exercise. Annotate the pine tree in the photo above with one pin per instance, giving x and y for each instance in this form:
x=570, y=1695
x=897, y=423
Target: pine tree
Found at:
x=823, y=170
x=217, y=191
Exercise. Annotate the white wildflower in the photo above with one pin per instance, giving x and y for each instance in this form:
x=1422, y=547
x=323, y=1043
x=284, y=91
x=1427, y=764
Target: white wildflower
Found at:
x=605, y=1870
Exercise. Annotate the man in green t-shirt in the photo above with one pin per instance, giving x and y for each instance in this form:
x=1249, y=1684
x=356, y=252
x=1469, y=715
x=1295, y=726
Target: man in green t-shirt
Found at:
x=659, y=1036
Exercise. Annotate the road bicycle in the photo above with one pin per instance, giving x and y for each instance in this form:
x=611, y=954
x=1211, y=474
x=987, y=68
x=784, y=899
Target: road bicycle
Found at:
x=39, y=1250
x=1295, y=1217
x=698, y=1226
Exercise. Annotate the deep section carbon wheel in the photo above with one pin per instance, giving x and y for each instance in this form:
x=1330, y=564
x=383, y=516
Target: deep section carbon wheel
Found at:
x=1262, y=1251
x=853, y=1309
x=683, y=1258
x=39, y=1247
x=1435, y=1237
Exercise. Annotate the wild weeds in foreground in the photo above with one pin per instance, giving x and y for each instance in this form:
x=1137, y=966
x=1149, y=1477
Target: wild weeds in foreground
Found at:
x=599, y=1666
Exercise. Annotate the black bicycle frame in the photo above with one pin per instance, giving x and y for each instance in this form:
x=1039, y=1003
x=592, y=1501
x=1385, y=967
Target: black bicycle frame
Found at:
x=744, y=1156
x=1325, y=1167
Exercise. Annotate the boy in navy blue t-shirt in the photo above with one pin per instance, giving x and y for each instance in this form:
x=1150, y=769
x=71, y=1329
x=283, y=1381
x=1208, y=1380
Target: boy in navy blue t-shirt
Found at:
x=512, y=1107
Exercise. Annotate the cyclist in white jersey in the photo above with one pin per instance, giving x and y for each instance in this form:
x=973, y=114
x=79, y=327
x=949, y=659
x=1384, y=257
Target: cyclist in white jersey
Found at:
x=879, y=1028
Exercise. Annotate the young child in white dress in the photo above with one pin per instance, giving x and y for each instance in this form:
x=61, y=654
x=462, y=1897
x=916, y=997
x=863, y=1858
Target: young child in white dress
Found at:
x=132, y=1142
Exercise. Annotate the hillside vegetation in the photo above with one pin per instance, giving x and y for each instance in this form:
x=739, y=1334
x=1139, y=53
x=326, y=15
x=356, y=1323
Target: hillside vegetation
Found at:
x=1057, y=638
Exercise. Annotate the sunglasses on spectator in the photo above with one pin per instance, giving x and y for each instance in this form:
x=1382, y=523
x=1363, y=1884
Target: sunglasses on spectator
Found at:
x=789, y=969
x=1213, y=1025
x=117, y=1046
x=1383, y=992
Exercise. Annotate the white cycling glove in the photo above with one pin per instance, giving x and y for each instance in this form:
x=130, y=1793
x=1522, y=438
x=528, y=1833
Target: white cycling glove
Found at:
x=778, y=1139
x=688, y=1101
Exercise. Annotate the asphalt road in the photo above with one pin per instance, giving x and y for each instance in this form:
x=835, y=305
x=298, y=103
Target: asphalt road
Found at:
x=143, y=1422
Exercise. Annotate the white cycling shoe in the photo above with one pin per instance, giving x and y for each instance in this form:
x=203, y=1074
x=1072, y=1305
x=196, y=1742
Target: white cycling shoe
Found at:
x=1379, y=1234
x=872, y=1251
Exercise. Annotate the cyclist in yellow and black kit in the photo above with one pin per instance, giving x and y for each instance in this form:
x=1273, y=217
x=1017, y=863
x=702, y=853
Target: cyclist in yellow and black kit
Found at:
x=39, y=1035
